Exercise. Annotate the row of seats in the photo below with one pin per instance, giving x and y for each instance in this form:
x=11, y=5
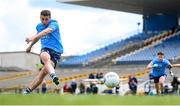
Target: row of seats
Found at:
x=170, y=47
x=107, y=49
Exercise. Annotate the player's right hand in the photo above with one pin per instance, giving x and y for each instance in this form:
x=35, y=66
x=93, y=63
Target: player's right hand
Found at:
x=29, y=39
x=28, y=49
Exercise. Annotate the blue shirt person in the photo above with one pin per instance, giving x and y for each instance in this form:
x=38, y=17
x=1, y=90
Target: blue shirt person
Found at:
x=158, y=72
x=159, y=67
x=51, y=49
x=51, y=40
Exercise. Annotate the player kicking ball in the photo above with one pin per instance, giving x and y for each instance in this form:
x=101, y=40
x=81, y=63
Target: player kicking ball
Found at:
x=158, y=72
x=51, y=49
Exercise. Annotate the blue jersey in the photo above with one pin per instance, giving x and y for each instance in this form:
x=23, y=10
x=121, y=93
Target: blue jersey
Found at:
x=53, y=39
x=159, y=67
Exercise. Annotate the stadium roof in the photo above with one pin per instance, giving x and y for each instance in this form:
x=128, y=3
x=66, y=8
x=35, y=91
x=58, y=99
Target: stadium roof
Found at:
x=132, y=6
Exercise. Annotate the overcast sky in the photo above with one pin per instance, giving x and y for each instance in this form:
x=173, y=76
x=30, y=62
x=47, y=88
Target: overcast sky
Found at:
x=82, y=28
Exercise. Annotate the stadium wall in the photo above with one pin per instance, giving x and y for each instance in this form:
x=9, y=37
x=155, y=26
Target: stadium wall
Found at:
x=16, y=60
x=160, y=22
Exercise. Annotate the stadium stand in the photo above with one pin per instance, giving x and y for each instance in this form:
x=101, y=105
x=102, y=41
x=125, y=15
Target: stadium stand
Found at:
x=168, y=46
x=106, y=50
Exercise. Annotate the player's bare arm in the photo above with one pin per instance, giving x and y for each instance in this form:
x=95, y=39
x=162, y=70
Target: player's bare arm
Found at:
x=43, y=33
x=35, y=38
x=149, y=66
x=28, y=49
x=175, y=65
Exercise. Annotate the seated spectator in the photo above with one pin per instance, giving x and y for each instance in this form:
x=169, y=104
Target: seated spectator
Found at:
x=73, y=86
x=175, y=84
x=81, y=88
x=43, y=87
x=88, y=90
x=91, y=76
x=133, y=84
x=99, y=75
x=94, y=88
x=65, y=87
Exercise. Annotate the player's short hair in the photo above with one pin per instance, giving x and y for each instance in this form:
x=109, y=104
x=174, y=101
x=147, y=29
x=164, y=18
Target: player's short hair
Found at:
x=45, y=13
x=160, y=53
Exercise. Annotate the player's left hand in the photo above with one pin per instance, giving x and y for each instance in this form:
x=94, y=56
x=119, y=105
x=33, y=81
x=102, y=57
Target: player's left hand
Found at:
x=169, y=67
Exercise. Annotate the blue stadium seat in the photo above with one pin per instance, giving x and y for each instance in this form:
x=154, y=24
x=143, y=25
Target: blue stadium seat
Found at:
x=77, y=60
x=170, y=47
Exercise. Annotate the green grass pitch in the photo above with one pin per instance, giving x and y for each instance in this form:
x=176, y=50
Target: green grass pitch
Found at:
x=55, y=99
